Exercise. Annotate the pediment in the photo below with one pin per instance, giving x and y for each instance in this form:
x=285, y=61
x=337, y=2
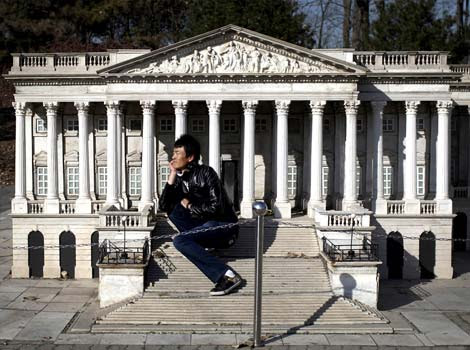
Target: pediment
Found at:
x=71, y=156
x=101, y=156
x=232, y=50
x=134, y=156
x=40, y=157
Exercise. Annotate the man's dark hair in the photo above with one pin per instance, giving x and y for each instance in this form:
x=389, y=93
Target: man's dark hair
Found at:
x=191, y=146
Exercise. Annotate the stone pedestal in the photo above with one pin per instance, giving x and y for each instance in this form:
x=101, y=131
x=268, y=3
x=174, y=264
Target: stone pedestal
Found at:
x=51, y=206
x=83, y=206
x=282, y=210
x=380, y=206
x=412, y=206
x=19, y=206
x=444, y=206
x=119, y=283
x=357, y=280
x=246, y=210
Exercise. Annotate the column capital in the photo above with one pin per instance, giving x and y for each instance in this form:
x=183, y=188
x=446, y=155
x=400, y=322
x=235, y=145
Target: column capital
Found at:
x=444, y=106
x=317, y=107
x=250, y=106
x=351, y=106
x=282, y=106
x=20, y=106
x=51, y=106
x=412, y=106
x=378, y=106
x=148, y=105
x=180, y=105
x=82, y=106
x=214, y=106
x=112, y=105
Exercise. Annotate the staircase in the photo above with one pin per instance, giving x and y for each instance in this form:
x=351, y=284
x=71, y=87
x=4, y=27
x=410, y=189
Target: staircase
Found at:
x=297, y=295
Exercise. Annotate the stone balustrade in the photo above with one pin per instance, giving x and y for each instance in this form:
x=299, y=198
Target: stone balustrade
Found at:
x=395, y=207
x=459, y=192
x=67, y=207
x=129, y=219
x=464, y=69
x=341, y=219
x=402, y=60
x=35, y=207
x=428, y=207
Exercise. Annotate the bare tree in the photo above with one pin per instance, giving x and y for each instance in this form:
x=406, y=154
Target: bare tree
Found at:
x=346, y=22
x=360, y=25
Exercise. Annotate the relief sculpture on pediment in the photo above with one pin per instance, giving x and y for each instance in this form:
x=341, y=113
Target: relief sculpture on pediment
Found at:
x=233, y=57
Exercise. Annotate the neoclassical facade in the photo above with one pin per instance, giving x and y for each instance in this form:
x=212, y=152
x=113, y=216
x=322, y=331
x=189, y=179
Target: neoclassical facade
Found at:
x=324, y=133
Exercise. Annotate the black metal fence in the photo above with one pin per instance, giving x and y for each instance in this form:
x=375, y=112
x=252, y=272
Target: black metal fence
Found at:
x=111, y=253
x=367, y=251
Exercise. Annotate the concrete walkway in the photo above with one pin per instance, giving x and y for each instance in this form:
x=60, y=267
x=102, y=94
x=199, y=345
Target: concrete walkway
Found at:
x=57, y=314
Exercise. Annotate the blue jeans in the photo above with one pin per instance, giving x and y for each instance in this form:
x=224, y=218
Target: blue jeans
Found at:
x=192, y=245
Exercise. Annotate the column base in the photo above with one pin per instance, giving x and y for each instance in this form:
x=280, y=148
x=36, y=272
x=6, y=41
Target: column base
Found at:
x=142, y=205
x=312, y=205
x=19, y=205
x=350, y=205
x=444, y=206
x=282, y=210
x=380, y=206
x=51, y=206
x=83, y=206
x=412, y=206
x=246, y=210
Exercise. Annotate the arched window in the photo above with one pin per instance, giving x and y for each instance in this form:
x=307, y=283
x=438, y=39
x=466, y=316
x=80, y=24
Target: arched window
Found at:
x=427, y=254
x=395, y=255
x=36, y=254
x=67, y=254
x=459, y=232
x=95, y=271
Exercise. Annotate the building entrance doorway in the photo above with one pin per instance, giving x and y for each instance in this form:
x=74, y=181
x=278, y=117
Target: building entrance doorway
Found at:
x=36, y=254
x=67, y=254
x=459, y=232
x=230, y=181
x=395, y=255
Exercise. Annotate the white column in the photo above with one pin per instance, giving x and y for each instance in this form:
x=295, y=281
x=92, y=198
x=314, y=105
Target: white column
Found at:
x=214, y=134
x=180, y=107
x=83, y=203
x=249, y=110
x=379, y=203
x=112, y=111
x=121, y=157
x=282, y=206
x=442, y=157
x=409, y=173
x=316, y=154
x=148, y=166
x=350, y=152
x=51, y=204
x=19, y=204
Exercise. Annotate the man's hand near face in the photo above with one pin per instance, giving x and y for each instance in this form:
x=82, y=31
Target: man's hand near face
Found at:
x=185, y=203
x=172, y=177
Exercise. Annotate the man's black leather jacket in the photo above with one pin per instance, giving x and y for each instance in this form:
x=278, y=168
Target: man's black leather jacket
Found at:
x=205, y=192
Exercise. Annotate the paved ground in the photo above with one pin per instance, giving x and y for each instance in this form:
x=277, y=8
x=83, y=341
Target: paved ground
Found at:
x=57, y=314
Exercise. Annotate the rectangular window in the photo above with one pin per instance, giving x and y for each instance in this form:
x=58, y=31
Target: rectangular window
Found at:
x=292, y=180
x=420, y=124
x=388, y=125
x=420, y=180
x=72, y=180
x=261, y=125
x=41, y=125
x=198, y=125
x=102, y=124
x=41, y=180
x=135, y=125
x=72, y=125
x=102, y=180
x=358, y=180
x=135, y=181
x=164, y=174
x=230, y=126
x=387, y=180
x=359, y=125
x=166, y=125
x=324, y=176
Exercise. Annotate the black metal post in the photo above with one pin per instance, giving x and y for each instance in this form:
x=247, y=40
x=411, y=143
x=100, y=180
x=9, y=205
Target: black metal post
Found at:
x=351, y=251
x=259, y=209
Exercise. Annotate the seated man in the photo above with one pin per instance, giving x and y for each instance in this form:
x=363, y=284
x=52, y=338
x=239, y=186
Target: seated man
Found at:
x=195, y=200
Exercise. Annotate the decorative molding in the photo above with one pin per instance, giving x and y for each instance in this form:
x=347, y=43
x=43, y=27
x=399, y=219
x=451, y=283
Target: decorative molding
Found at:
x=249, y=106
x=51, y=107
x=82, y=106
x=180, y=106
x=148, y=106
x=20, y=108
x=317, y=107
x=444, y=106
x=214, y=106
x=232, y=57
x=282, y=106
x=351, y=106
x=412, y=107
x=113, y=106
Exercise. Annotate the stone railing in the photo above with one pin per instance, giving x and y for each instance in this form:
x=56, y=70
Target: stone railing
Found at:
x=464, y=69
x=459, y=192
x=395, y=207
x=428, y=207
x=130, y=219
x=341, y=219
x=71, y=63
x=67, y=207
x=402, y=60
x=35, y=207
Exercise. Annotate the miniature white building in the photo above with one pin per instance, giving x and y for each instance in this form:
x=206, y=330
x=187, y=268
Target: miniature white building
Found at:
x=326, y=131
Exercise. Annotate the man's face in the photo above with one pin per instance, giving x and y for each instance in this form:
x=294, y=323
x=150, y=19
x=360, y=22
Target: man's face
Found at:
x=179, y=159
